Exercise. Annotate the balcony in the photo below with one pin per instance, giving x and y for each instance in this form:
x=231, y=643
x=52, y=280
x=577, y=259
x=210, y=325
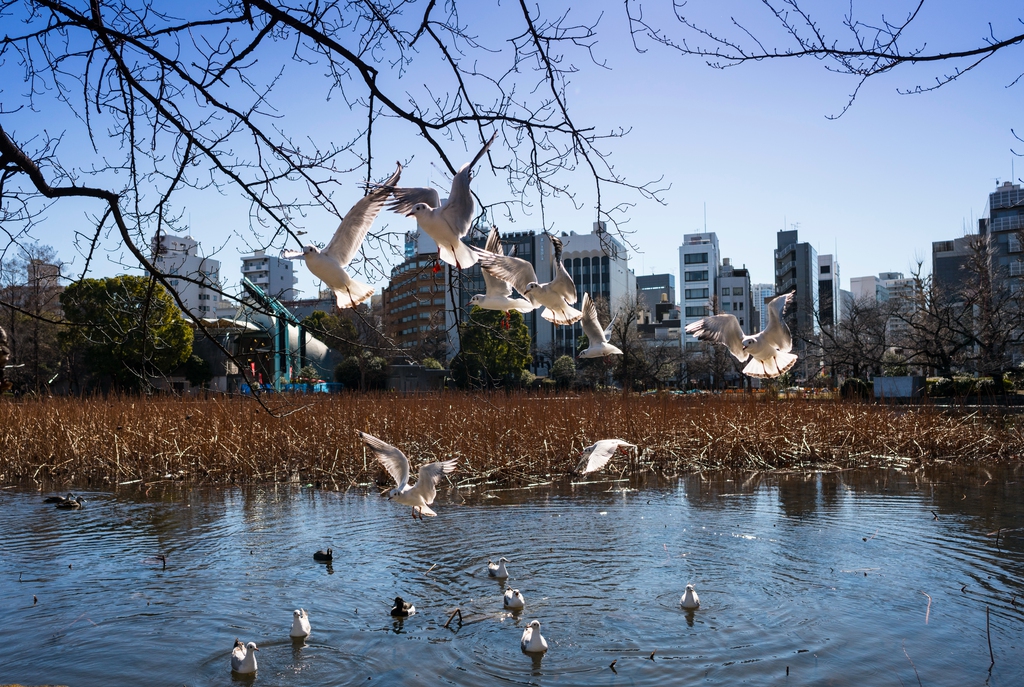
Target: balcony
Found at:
x=1009, y=223
x=786, y=267
x=786, y=286
x=783, y=252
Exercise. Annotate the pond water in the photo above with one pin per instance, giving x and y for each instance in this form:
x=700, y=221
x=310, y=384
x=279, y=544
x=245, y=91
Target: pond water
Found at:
x=851, y=578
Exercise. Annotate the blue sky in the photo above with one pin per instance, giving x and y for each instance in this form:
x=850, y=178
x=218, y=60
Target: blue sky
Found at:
x=752, y=144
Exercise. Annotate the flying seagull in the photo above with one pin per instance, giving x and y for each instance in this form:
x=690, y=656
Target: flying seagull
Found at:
x=768, y=350
x=420, y=496
x=597, y=338
x=329, y=264
x=446, y=223
x=557, y=296
x=499, y=292
x=597, y=455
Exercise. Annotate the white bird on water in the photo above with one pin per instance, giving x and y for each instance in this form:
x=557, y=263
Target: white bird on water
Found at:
x=597, y=338
x=768, y=350
x=689, y=600
x=243, y=657
x=420, y=496
x=557, y=296
x=513, y=600
x=498, y=294
x=497, y=569
x=532, y=640
x=329, y=264
x=446, y=223
x=597, y=455
x=300, y=623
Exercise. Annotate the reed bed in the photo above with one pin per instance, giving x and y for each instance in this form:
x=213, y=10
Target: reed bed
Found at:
x=506, y=439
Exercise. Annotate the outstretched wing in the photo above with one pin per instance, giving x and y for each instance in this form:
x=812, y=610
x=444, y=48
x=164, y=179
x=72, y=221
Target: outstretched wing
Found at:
x=597, y=456
x=516, y=271
x=406, y=198
x=495, y=286
x=459, y=206
x=723, y=329
x=430, y=475
x=777, y=333
x=591, y=325
x=393, y=460
x=352, y=230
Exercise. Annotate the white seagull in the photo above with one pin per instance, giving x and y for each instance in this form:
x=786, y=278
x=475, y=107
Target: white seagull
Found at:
x=497, y=569
x=557, y=296
x=498, y=295
x=300, y=623
x=689, y=600
x=243, y=657
x=597, y=338
x=532, y=640
x=597, y=455
x=420, y=496
x=329, y=264
x=513, y=600
x=768, y=350
x=446, y=223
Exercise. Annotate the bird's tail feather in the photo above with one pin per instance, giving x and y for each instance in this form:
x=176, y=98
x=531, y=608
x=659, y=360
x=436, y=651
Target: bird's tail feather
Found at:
x=772, y=367
x=459, y=255
x=425, y=510
x=353, y=295
x=567, y=315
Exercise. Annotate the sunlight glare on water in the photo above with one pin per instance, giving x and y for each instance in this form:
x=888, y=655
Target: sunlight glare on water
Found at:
x=848, y=578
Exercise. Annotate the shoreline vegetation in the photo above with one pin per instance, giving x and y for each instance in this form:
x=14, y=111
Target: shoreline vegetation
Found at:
x=499, y=439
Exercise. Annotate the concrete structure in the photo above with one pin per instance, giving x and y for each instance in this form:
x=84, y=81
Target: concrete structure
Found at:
x=661, y=323
x=699, y=257
x=735, y=296
x=848, y=300
x=178, y=257
x=1003, y=223
x=796, y=271
x=652, y=287
x=948, y=261
x=416, y=303
x=829, y=301
x=871, y=289
x=599, y=265
x=899, y=387
x=276, y=276
x=761, y=294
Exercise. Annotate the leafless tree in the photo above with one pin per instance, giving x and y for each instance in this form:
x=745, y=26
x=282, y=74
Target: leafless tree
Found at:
x=151, y=104
x=856, y=345
x=836, y=35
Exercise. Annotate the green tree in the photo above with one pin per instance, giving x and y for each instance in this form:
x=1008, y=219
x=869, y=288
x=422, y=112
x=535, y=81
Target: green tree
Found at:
x=335, y=332
x=432, y=364
x=128, y=329
x=563, y=371
x=364, y=372
x=197, y=371
x=495, y=350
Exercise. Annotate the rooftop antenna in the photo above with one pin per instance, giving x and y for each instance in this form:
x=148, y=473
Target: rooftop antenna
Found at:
x=705, y=216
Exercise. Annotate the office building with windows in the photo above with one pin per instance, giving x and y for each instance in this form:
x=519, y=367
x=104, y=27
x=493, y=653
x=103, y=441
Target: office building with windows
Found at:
x=276, y=276
x=762, y=294
x=736, y=297
x=193, y=277
x=698, y=270
x=796, y=272
x=652, y=287
x=830, y=303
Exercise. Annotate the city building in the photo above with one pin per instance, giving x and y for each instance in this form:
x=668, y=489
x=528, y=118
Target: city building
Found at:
x=652, y=287
x=276, y=276
x=870, y=289
x=735, y=296
x=416, y=302
x=698, y=269
x=829, y=301
x=796, y=272
x=762, y=294
x=1003, y=223
x=948, y=261
x=903, y=295
x=661, y=322
x=599, y=265
x=193, y=277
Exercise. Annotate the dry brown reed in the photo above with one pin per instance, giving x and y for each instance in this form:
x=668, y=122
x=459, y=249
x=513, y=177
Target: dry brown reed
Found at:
x=498, y=438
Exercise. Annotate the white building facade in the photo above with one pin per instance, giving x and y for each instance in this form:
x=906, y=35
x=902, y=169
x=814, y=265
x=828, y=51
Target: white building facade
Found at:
x=735, y=296
x=178, y=257
x=698, y=277
x=276, y=276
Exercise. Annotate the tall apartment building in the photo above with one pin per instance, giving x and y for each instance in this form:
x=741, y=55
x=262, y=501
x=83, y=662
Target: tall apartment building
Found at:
x=736, y=297
x=796, y=271
x=416, y=304
x=599, y=265
x=830, y=303
x=699, y=257
x=1003, y=224
x=762, y=293
x=276, y=276
x=178, y=257
x=903, y=295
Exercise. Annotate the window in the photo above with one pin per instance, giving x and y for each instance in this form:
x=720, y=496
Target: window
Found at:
x=741, y=321
x=695, y=258
x=738, y=306
x=725, y=290
x=696, y=311
x=826, y=269
x=696, y=293
x=737, y=290
x=697, y=276
x=725, y=306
